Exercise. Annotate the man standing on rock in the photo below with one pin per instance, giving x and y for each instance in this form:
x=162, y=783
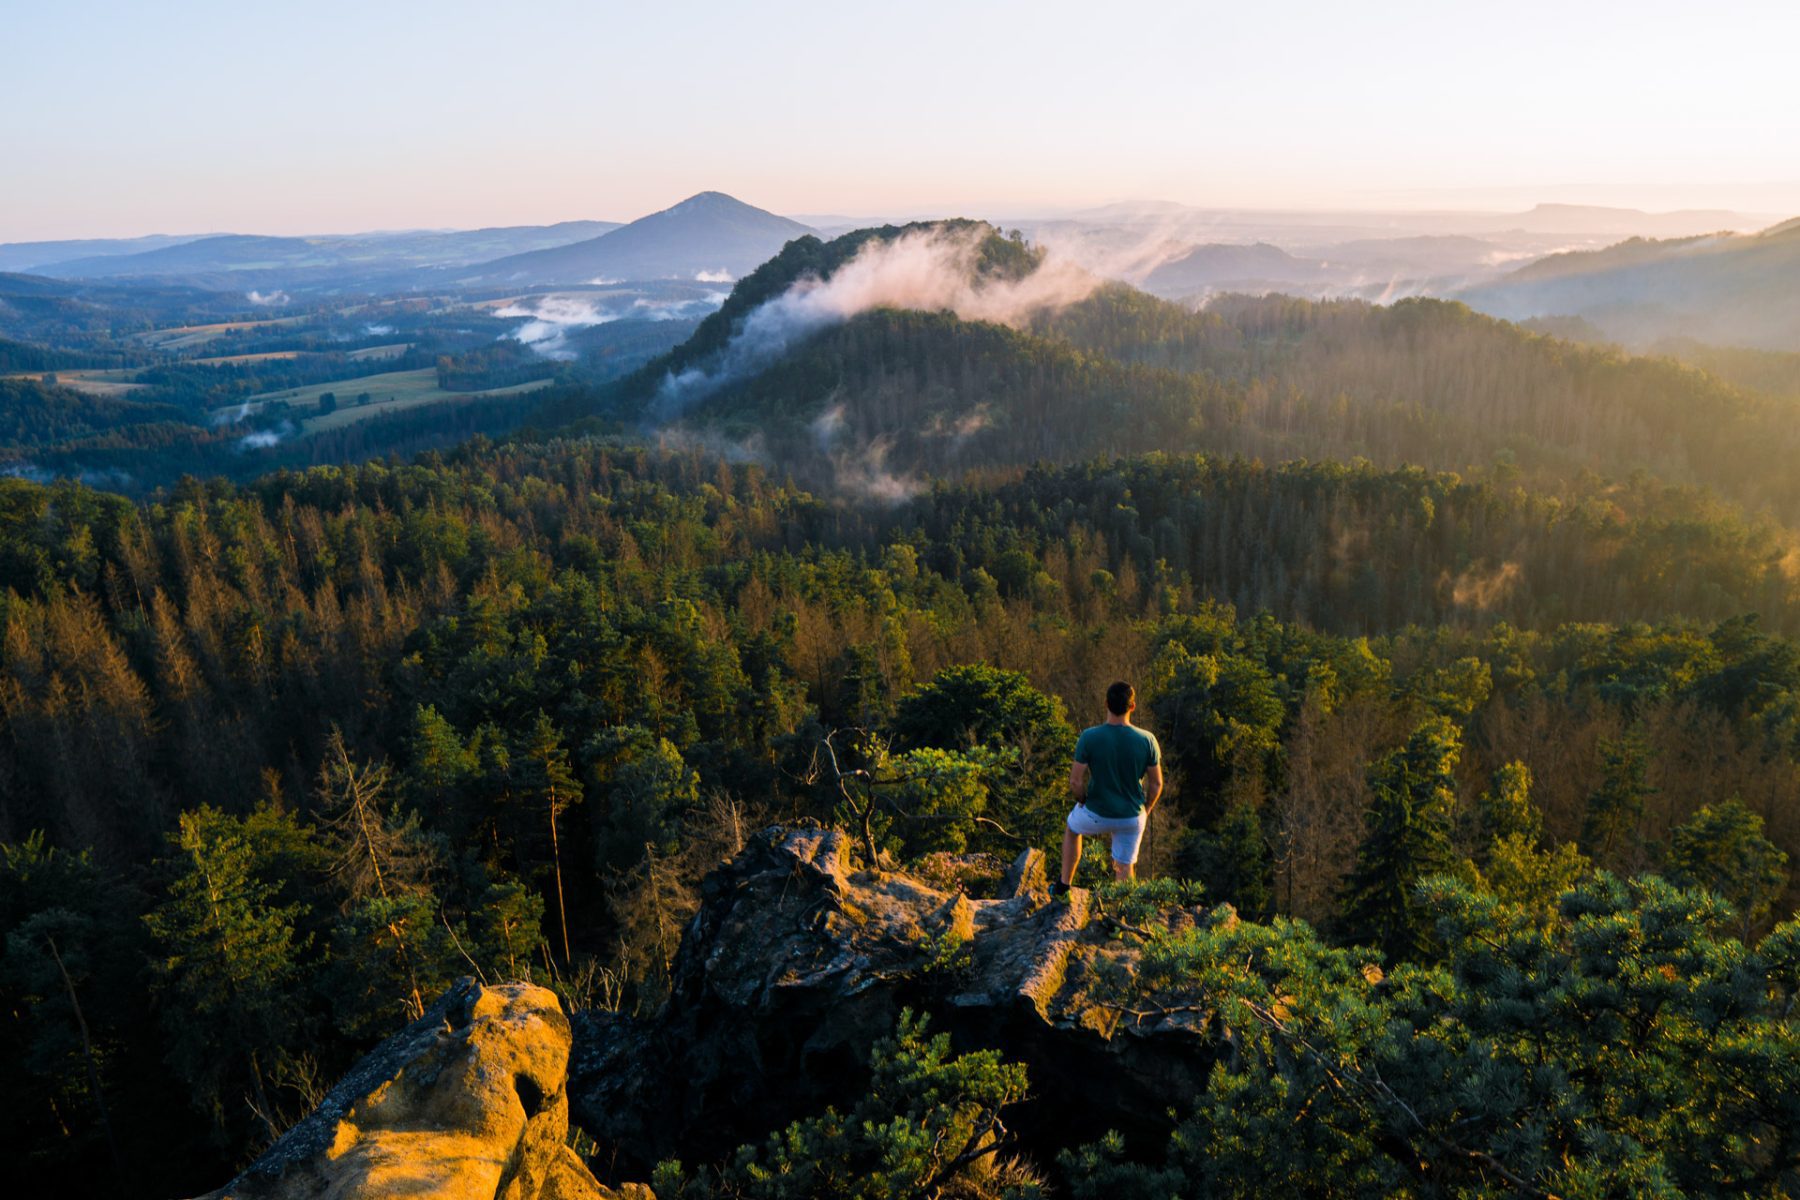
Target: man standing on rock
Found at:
x=1117, y=780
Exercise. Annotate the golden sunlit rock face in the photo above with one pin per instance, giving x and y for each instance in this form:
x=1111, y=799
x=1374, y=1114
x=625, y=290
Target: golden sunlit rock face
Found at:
x=467, y=1103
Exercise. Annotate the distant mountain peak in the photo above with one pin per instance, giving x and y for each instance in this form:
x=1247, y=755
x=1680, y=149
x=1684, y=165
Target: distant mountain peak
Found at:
x=705, y=234
x=699, y=199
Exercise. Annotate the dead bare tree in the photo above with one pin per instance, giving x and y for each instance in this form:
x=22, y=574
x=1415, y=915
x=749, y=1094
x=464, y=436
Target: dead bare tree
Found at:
x=876, y=786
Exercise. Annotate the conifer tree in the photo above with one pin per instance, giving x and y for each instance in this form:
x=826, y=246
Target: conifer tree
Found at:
x=1519, y=868
x=227, y=959
x=68, y=965
x=975, y=705
x=382, y=860
x=548, y=785
x=1723, y=850
x=1233, y=862
x=1412, y=792
x=1614, y=807
x=930, y=1124
x=1506, y=807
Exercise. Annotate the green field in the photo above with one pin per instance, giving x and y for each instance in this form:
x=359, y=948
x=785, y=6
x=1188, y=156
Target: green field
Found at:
x=226, y=359
x=379, y=353
x=388, y=392
x=95, y=383
x=183, y=337
x=367, y=354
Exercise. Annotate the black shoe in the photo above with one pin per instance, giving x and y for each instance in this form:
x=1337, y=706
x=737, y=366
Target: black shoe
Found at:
x=1058, y=889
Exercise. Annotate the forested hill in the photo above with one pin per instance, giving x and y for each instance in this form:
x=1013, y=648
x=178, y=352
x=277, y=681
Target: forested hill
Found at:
x=1734, y=290
x=887, y=398
x=1434, y=383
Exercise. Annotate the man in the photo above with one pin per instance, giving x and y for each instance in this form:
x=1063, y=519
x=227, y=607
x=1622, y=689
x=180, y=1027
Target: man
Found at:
x=1117, y=780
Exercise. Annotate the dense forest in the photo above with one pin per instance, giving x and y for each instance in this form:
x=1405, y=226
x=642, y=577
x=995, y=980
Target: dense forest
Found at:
x=552, y=681
x=1481, y=711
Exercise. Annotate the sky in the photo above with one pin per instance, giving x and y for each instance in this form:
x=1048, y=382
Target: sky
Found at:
x=120, y=118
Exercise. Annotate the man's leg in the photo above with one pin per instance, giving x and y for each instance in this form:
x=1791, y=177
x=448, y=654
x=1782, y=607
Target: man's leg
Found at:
x=1071, y=855
x=1125, y=845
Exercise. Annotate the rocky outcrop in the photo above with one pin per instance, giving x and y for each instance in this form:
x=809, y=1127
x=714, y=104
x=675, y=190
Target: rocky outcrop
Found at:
x=468, y=1102
x=796, y=963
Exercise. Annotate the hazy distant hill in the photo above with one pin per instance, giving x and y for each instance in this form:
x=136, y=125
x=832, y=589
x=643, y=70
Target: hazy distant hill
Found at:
x=1216, y=267
x=1372, y=268
x=1727, y=289
x=23, y=256
x=1593, y=218
x=707, y=233
x=34, y=308
x=235, y=260
x=225, y=252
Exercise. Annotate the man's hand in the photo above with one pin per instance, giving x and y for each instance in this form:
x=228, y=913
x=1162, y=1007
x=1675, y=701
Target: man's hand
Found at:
x=1153, y=786
x=1078, y=777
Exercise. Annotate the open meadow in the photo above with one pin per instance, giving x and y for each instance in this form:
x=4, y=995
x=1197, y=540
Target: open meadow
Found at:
x=390, y=391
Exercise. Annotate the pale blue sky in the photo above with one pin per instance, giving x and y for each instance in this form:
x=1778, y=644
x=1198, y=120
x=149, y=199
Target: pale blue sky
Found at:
x=130, y=117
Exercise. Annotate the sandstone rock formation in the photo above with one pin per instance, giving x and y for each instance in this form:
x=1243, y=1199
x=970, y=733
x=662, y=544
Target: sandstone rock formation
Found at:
x=796, y=963
x=467, y=1102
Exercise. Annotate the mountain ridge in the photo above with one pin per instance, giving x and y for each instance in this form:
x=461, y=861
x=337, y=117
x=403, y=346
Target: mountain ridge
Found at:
x=1723, y=288
x=393, y=250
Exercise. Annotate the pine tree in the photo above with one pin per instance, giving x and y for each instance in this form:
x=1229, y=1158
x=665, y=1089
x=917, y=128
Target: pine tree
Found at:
x=929, y=1125
x=549, y=786
x=228, y=959
x=1614, y=807
x=1506, y=806
x=382, y=860
x=1233, y=862
x=1518, y=867
x=1723, y=850
x=1412, y=793
x=69, y=963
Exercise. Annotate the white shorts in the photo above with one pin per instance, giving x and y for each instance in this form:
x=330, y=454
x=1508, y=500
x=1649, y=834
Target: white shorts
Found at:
x=1125, y=832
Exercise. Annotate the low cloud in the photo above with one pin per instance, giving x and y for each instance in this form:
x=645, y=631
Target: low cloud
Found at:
x=26, y=470
x=266, y=299
x=827, y=425
x=232, y=416
x=928, y=270
x=550, y=319
x=683, y=439
x=864, y=473
x=861, y=470
x=961, y=428
x=1483, y=589
x=714, y=277
x=262, y=439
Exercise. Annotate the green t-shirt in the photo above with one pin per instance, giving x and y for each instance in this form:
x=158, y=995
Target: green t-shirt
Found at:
x=1117, y=757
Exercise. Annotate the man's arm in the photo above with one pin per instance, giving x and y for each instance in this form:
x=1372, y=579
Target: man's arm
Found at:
x=1152, y=787
x=1078, y=777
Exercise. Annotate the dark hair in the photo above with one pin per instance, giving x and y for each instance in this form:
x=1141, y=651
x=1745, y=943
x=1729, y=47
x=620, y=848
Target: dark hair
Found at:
x=1120, y=699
